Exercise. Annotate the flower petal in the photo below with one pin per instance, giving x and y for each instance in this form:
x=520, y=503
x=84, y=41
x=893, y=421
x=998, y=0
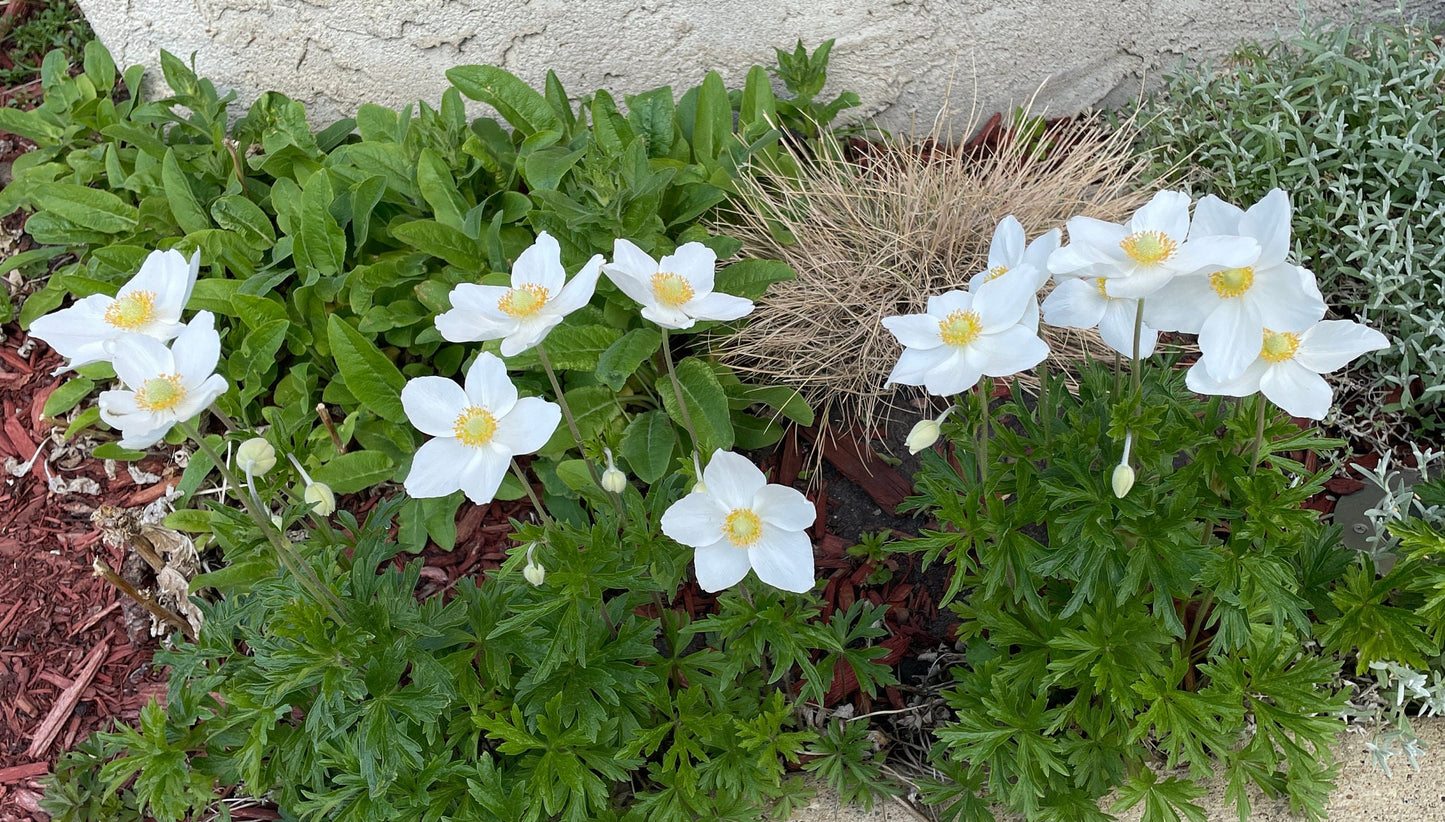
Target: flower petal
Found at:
x=784, y=507
x=1000, y=302
x=529, y=332
x=667, y=317
x=915, y=330
x=1231, y=338
x=696, y=520
x=784, y=559
x=1200, y=382
x=1167, y=212
x=437, y=466
x=140, y=438
x=720, y=565
x=915, y=364
x=1091, y=242
x=1116, y=329
x=199, y=398
x=1181, y=304
x=1334, y=343
x=1213, y=216
x=695, y=263
x=1287, y=297
x=170, y=277
x=540, y=264
x=732, y=479
x=1038, y=252
x=1075, y=303
x=483, y=475
x=197, y=349
x=941, y=305
x=1006, y=249
x=528, y=425
x=953, y=376
x=1010, y=351
x=487, y=385
x=432, y=405
x=137, y=358
x=1298, y=390
x=578, y=290
x=1267, y=221
x=1207, y=254
x=78, y=333
x=718, y=306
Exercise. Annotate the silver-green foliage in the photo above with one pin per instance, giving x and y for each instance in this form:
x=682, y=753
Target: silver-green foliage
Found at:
x=1347, y=120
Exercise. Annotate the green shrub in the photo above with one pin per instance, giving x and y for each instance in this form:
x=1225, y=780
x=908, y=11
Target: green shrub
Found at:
x=1347, y=120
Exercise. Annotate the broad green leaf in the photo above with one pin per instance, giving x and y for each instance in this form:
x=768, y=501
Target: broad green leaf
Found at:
x=786, y=401
x=759, y=105
x=651, y=115
x=236, y=213
x=713, y=126
x=439, y=190
x=67, y=396
x=324, y=241
x=621, y=359
x=370, y=377
x=545, y=168
x=592, y=406
x=89, y=208
x=185, y=206
x=518, y=103
x=648, y=445
x=441, y=241
x=751, y=278
x=706, y=404
x=30, y=125
x=113, y=451
x=578, y=347
x=355, y=471
x=190, y=520
x=257, y=353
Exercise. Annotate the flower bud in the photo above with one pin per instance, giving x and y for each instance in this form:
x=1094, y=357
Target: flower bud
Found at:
x=256, y=456
x=924, y=434
x=533, y=572
x=321, y=498
x=1123, y=479
x=613, y=480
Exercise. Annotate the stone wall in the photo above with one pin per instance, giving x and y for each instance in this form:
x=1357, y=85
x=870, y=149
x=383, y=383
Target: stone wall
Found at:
x=905, y=58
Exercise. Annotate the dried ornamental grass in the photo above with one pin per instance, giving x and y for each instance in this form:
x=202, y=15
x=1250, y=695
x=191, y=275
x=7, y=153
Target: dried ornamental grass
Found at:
x=876, y=236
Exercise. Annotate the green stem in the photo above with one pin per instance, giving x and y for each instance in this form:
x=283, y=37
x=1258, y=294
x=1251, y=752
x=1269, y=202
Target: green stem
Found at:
x=567, y=414
x=985, y=387
x=285, y=551
x=677, y=392
x=1138, y=335
x=1260, y=410
x=531, y=495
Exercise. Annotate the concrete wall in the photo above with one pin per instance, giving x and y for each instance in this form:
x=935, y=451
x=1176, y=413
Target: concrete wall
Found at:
x=901, y=56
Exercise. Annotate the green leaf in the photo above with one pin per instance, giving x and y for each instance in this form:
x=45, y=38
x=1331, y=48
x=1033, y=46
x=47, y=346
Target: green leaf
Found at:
x=321, y=236
x=185, y=207
x=67, y=396
x=786, y=401
x=257, y=353
x=442, y=241
x=189, y=520
x=86, y=207
x=545, y=168
x=751, y=278
x=236, y=213
x=578, y=347
x=652, y=116
x=706, y=404
x=713, y=127
x=621, y=359
x=370, y=377
x=648, y=445
x=592, y=406
x=518, y=103
x=439, y=190
x=113, y=451
x=355, y=471
x=30, y=125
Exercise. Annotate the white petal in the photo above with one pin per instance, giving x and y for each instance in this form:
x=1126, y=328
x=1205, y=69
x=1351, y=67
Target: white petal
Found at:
x=941, y=305
x=732, y=479
x=915, y=364
x=578, y=290
x=1141, y=282
x=1181, y=304
x=695, y=263
x=528, y=425
x=1006, y=249
x=79, y=332
x=1214, y=216
x=540, y=264
x=629, y=259
x=436, y=468
x=1011, y=351
x=1116, y=329
x=465, y=325
x=696, y=520
x=636, y=286
x=915, y=330
x=487, y=385
x=1267, y=221
x=1036, y=256
x=1298, y=390
x=784, y=507
x=1075, y=304
x=1287, y=298
x=668, y=317
x=1334, y=343
x=784, y=559
x=1231, y=338
x=197, y=349
x=1200, y=382
x=1167, y=212
x=137, y=358
x=432, y=404
x=167, y=275
x=482, y=299
x=529, y=332
x=199, y=398
x=483, y=474
x=1000, y=302
x=720, y=565
x=953, y=376
x=1207, y=254
x=117, y=403
x=718, y=306
x=144, y=437
x=1091, y=242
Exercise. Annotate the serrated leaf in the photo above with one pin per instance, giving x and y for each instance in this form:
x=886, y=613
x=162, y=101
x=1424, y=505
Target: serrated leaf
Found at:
x=705, y=401
x=373, y=379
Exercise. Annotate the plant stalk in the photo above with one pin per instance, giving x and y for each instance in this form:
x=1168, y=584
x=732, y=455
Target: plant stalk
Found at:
x=531, y=495
x=567, y=414
x=677, y=392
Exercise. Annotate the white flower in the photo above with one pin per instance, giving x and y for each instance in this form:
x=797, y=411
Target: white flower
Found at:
x=522, y=315
x=477, y=430
x=1137, y=258
x=1081, y=303
x=1288, y=367
x=166, y=385
x=676, y=291
x=1009, y=256
x=740, y=521
x=150, y=304
x=255, y=456
x=964, y=336
x=1229, y=309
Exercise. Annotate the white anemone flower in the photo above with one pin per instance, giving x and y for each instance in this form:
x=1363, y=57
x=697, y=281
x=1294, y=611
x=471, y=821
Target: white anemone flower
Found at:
x=163, y=385
x=1080, y=302
x=1229, y=309
x=522, y=315
x=964, y=336
x=1288, y=367
x=476, y=430
x=742, y=522
x=149, y=304
x=1138, y=258
x=1009, y=255
x=676, y=291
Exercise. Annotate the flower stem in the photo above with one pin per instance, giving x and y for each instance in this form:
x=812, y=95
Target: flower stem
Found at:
x=531, y=495
x=677, y=392
x=985, y=387
x=1261, y=405
x=285, y=551
x=1138, y=335
x=567, y=414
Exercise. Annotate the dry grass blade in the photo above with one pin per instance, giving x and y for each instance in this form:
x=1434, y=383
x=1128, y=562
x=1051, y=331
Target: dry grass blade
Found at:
x=876, y=236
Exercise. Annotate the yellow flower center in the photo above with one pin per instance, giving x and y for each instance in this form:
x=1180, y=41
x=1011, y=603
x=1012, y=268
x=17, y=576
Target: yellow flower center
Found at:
x=160, y=393
x=743, y=528
x=960, y=328
x=1099, y=283
x=672, y=290
x=475, y=426
x=132, y=310
x=1279, y=346
x=1232, y=282
x=1148, y=247
x=996, y=272
x=524, y=300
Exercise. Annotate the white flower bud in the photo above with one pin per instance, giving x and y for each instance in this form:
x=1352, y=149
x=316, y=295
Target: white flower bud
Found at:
x=613, y=480
x=924, y=434
x=533, y=572
x=1123, y=479
x=256, y=456
x=321, y=498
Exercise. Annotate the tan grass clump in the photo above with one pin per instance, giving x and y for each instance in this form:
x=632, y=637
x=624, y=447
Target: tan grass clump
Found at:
x=876, y=236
